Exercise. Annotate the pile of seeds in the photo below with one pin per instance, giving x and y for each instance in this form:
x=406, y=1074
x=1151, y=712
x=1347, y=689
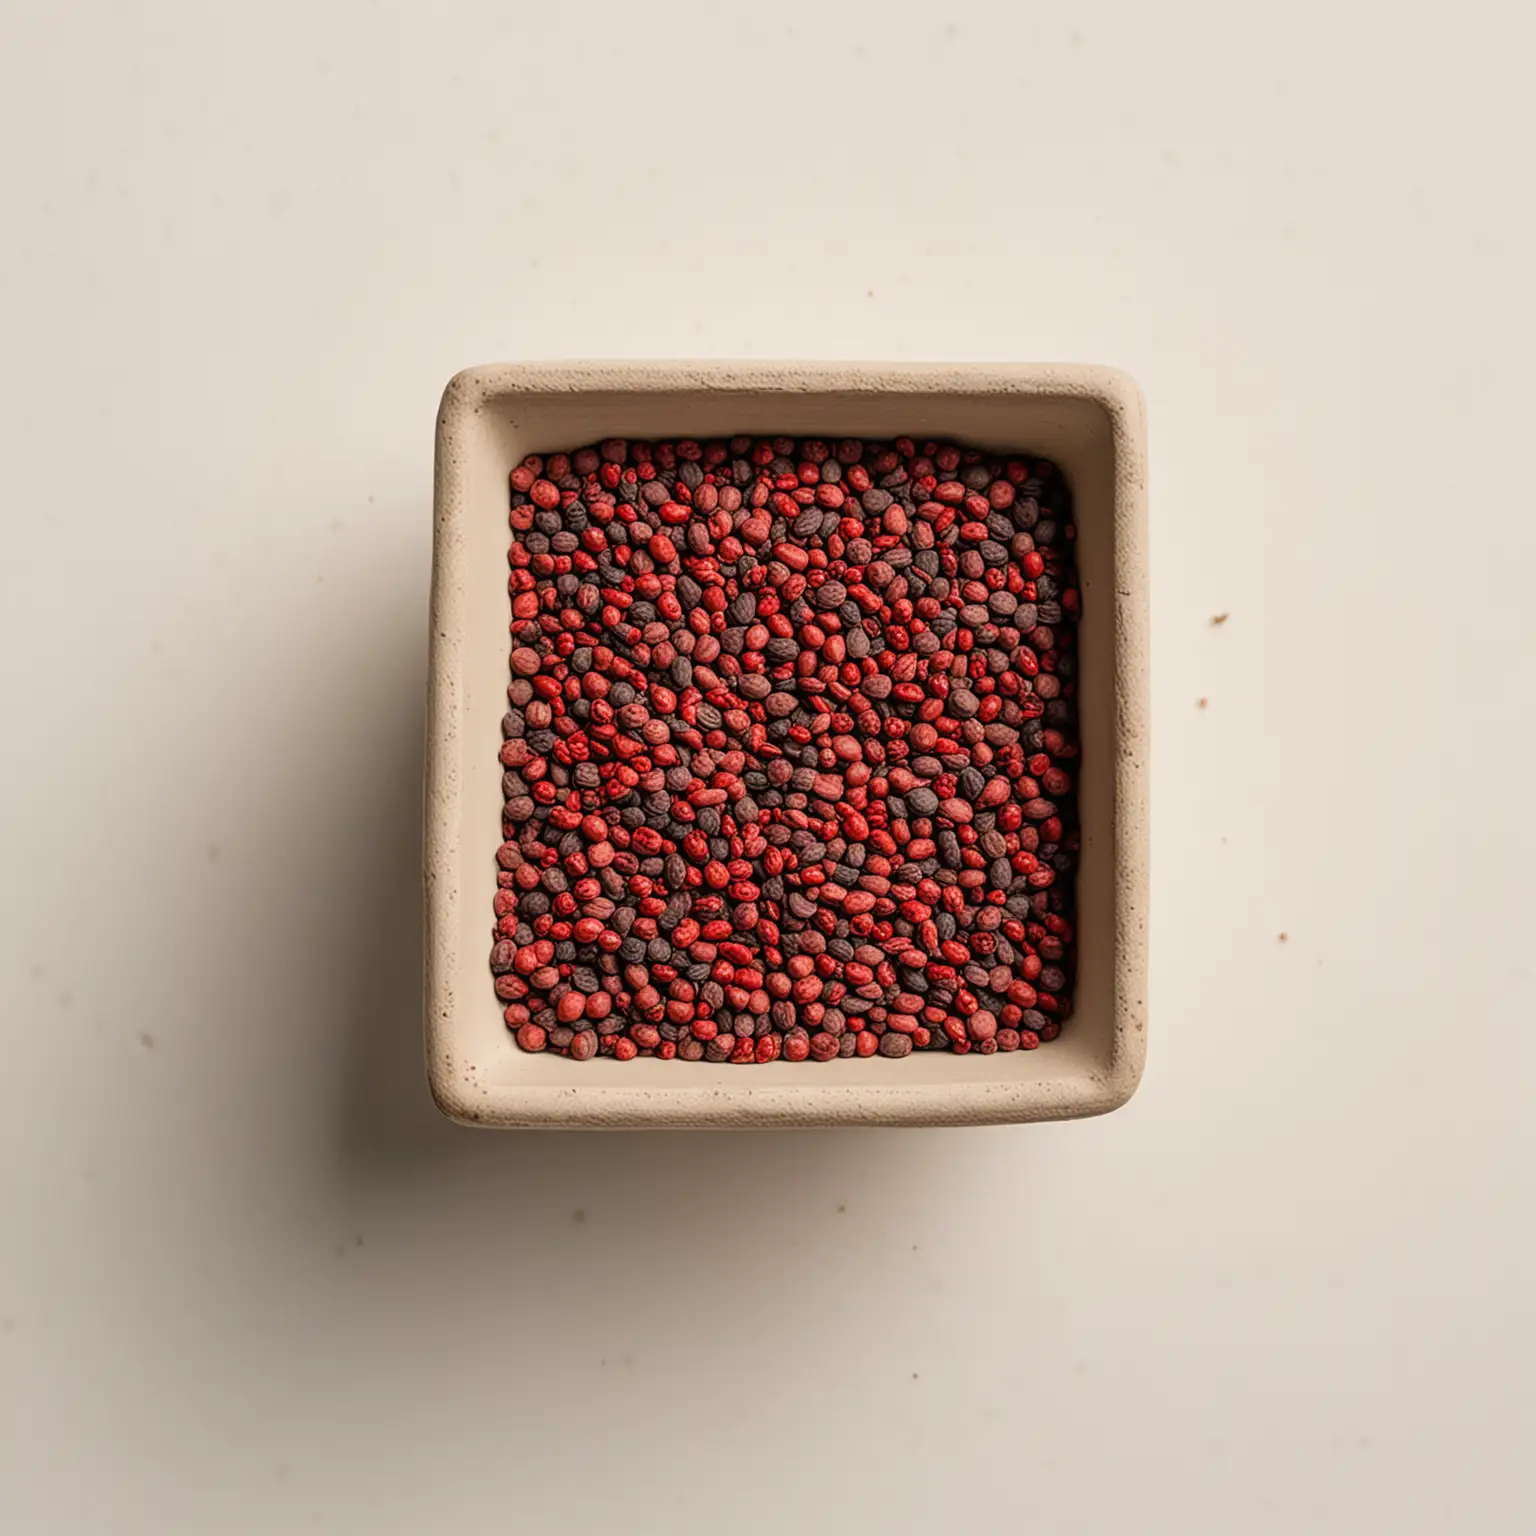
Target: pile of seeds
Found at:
x=790, y=764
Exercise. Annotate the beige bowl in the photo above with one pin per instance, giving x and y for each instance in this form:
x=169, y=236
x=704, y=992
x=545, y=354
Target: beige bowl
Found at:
x=1090, y=422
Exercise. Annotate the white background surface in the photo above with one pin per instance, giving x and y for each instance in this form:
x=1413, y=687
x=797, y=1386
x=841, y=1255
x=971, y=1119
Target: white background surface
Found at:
x=250, y=1283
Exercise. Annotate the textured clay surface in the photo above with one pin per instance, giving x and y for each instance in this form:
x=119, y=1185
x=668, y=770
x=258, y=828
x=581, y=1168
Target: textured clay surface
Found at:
x=1090, y=423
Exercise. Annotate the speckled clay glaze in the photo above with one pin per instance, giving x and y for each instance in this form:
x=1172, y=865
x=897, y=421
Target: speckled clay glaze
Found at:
x=1088, y=421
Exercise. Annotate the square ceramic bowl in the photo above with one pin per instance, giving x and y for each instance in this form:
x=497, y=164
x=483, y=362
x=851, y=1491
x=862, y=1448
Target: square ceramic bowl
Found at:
x=1090, y=422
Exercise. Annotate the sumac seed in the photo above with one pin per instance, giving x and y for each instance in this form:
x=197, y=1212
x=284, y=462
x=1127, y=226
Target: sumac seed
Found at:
x=791, y=758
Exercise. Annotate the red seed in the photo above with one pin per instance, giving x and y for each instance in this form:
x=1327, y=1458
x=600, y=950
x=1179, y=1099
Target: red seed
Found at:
x=982, y=1025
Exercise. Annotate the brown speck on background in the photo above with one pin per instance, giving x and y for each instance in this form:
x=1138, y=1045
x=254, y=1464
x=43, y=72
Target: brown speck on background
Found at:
x=1285, y=938
x=1218, y=619
x=147, y=1040
x=842, y=1209
x=578, y=1216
